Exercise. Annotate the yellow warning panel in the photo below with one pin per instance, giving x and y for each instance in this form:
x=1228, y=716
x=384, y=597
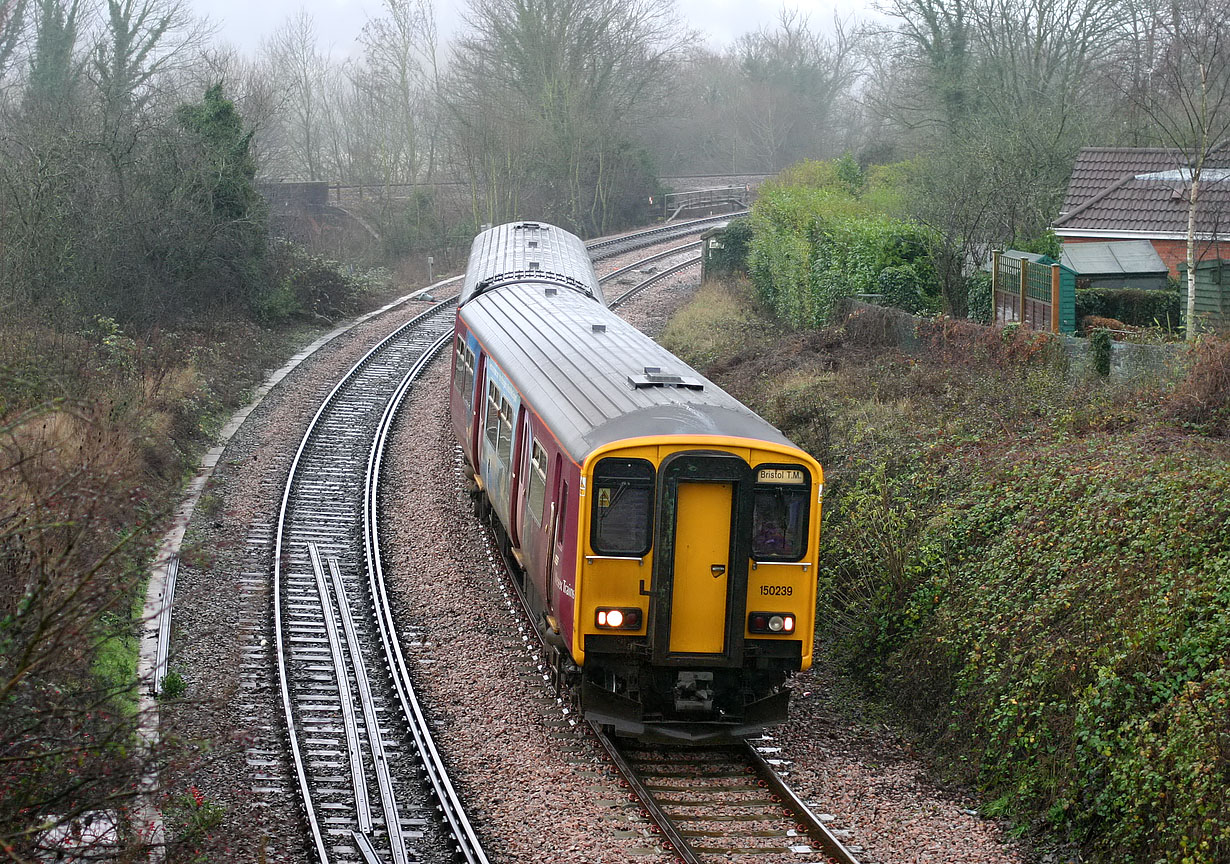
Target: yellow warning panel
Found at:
x=702, y=568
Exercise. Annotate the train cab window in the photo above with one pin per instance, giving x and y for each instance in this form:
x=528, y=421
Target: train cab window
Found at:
x=459, y=364
x=503, y=446
x=536, y=494
x=493, y=412
x=780, y=502
x=622, y=522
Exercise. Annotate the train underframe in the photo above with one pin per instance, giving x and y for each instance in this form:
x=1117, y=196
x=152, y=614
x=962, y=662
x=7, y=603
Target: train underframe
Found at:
x=681, y=701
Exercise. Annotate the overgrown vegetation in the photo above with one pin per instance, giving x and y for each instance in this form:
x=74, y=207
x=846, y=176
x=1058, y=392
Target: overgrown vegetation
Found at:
x=1028, y=561
x=820, y=234
x=137, y=281
x=1131, y=306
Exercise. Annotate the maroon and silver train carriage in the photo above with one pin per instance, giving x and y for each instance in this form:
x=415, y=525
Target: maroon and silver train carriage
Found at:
x=663, y=532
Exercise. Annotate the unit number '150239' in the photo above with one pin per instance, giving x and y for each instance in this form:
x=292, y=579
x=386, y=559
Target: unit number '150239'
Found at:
x=777, y=590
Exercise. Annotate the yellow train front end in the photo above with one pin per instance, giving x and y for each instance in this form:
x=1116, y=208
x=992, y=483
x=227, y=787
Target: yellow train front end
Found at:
x=696, y=587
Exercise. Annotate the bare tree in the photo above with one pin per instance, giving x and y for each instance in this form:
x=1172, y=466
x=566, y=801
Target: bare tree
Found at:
x=12, y=26
x=54, y=67
x=1189, y=103
x=398, y=78
x=792, y=80
x=143, y=39
x=296, y=64
x=939, y=31
x=559, y=86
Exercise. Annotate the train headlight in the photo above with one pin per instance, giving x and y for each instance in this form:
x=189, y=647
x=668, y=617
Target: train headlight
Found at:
x=770, y=622
x=618, y=619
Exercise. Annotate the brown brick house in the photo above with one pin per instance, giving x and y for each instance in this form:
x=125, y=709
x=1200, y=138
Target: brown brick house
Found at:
x=1135, y=193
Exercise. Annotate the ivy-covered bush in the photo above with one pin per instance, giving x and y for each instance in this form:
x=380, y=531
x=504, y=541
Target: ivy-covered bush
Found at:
x=308, y=286
x=872, y=255
x=1056, y=617
x=980, y=301
x=730, y=256
x=814, y=243
x=1133, y=306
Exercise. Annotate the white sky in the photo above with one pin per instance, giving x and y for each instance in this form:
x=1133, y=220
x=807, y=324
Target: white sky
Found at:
x=243, y=23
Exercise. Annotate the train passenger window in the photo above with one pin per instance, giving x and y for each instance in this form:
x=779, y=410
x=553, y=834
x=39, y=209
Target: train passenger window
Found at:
x=622, y=522
x=503, y=447
x=780, y=514
x=467, y=387
x=493, y=412
x=536, y=494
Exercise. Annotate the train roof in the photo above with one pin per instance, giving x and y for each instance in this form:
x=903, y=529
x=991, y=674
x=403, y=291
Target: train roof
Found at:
x=594, y=378
x=529, y=252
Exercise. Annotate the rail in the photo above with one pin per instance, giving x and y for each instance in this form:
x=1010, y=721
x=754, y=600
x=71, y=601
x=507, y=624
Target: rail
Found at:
x=349, y=402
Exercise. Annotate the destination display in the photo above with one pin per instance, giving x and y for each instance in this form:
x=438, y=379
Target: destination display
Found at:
x=785, y=476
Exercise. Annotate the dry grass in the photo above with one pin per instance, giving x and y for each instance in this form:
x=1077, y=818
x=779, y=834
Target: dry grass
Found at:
x=1202, y=398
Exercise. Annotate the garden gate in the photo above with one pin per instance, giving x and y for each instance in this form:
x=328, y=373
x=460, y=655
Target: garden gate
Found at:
x=1041, y=296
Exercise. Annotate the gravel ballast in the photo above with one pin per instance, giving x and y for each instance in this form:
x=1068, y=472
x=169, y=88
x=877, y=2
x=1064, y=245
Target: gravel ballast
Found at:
x=538, y=786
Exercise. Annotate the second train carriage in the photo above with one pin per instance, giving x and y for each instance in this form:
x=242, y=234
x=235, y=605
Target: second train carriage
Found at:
x=665, y=533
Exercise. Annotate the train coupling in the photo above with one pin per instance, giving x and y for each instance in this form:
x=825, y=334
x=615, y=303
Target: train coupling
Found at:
x=694, y=691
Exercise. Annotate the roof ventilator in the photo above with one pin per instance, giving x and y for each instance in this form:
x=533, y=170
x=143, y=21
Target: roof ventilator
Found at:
x=599, y=328
x=534, y=265
x=654, y=377
x=551, y=292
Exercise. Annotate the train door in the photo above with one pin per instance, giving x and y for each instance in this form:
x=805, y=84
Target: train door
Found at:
x=475, y=404
x=700, y=566
x=520, y=474
x=554, y=550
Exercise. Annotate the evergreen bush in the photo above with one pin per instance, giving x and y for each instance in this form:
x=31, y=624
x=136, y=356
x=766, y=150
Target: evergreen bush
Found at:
x=1133, y=306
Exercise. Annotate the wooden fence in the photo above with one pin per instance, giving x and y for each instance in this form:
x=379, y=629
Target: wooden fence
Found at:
x=1039, y=296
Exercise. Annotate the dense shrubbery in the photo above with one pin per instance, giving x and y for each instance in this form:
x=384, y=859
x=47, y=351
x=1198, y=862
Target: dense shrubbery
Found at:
x=1132, y=306
x=815, y=243
x=1036, y=572
x=133, y=274
x=1056, y=615
x=307, y=286
x=980, y=299
x=730, y=256
x=1201, y=401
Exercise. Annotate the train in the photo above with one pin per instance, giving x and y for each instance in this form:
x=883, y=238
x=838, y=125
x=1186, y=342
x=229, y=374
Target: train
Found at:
x=663, y=535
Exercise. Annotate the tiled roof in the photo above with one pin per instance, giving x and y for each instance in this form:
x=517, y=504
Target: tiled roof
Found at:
x=1108, y=193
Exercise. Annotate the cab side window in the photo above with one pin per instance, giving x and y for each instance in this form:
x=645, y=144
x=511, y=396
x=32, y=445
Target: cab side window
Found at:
x=622, y=521
x=459, y=365
x=467, y=386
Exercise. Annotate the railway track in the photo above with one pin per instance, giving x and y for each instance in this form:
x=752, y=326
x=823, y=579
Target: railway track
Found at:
x=601, y=249
x=359, y=742
x=710, y=802
x=719, y=801
x=334, y=774
x=358, y=738
x=621, y=273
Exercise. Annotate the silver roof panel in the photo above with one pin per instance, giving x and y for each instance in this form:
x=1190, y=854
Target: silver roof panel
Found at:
x=592, y=385
x=529, y=252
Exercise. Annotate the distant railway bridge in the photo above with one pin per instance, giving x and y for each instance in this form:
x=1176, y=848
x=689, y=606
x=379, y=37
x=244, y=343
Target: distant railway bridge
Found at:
x=312, y=211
